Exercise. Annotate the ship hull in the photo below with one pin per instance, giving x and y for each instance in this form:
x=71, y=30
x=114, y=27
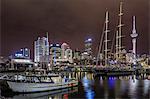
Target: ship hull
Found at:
x=25, y=87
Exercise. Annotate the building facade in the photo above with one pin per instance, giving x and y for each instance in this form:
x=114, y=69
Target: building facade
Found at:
x=66, y=53
x=41, y=50
x=22, y=53
x=55, y=53
x=60, y=54
x=88, y=47
x=86, y=55
x=77, y=55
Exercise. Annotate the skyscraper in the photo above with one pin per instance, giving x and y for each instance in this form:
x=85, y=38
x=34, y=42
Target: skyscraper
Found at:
x=64, y=47
x=55, y=53
x=76, y=54
x=66, y=53
x=41, y=49
x=88, y=47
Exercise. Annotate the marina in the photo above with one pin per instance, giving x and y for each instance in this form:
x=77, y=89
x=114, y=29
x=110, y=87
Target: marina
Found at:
x=53, y=59
x=91, y=86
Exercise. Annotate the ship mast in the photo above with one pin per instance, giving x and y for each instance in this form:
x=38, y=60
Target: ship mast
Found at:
x=119, y=33
x=105, y=36
x=100, y=46
x=106, y=39
x=117, y=45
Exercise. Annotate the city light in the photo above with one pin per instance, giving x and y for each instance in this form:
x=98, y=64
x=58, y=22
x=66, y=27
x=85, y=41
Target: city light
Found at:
x=18, y=55
x=26, y=49
x=22, y=60
x=36, y=64
x=57, y=45
x=51, y=44
x=89, y=39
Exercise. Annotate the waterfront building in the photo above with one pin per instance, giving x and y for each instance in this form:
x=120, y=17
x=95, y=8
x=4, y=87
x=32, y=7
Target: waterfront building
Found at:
x=76, y=54
x=3, y=63
x=86, y=56
x=88, y=47
x=22, y=53
x=66, y=54
x=19, y=61
x=64, y=47
x=55, y=53
x=60, y=54
x=20, y=64
x=41, y=50
x=1, y=60
x=86, y=59
x=76, y=57
x=129, y=58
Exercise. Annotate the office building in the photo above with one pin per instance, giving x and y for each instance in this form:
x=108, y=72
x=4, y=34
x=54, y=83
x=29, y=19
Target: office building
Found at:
x=41, y=49
x=66, y=53
x=88, y=48
x=55, y=53
x=60, y=54
x=77, y=55
x=22, y=53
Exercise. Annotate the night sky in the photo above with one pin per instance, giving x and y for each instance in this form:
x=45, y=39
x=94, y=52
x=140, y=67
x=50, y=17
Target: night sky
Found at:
x=70, y=21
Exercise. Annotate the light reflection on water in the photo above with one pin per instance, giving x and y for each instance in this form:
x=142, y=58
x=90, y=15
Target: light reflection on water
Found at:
x=90, y=87
x=57, y=94
x=126, y=87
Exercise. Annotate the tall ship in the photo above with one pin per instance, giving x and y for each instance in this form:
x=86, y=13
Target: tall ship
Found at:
x=105, y=53
x=112, y=60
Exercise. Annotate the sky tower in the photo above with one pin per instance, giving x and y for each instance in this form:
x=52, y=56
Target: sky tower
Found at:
x=134, y=36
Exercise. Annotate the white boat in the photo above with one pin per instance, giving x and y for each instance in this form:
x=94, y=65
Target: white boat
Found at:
x=25, y=84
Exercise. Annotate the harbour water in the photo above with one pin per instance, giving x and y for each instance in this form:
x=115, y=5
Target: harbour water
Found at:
x=95, y=87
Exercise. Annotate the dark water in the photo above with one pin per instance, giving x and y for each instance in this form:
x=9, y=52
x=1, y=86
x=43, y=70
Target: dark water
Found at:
x=90, y=87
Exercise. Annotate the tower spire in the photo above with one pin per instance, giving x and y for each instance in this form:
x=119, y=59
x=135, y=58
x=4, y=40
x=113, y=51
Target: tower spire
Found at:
x=134, y=26
x=134, y=36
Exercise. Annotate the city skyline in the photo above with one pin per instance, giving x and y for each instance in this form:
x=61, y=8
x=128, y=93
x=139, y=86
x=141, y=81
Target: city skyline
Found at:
x=23, y=21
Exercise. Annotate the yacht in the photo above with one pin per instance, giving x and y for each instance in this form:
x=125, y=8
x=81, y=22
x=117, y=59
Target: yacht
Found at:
x=35, y=83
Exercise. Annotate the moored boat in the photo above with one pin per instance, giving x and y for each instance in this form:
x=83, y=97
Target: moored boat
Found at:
x=26, y=84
